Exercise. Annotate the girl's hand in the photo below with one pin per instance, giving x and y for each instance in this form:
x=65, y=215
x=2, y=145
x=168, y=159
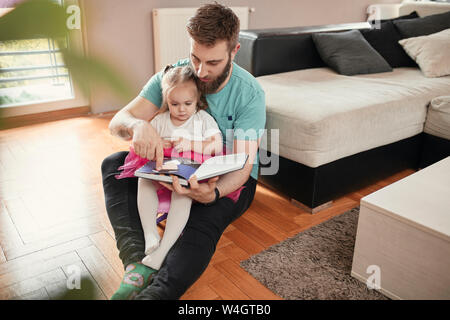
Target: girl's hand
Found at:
x=167, y=144
x=182, y=145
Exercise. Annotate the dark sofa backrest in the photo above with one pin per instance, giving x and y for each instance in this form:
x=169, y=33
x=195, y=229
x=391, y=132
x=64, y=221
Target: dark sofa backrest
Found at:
x=269, y=51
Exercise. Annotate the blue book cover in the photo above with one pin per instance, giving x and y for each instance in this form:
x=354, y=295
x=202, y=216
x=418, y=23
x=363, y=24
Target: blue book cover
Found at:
x=184, y=167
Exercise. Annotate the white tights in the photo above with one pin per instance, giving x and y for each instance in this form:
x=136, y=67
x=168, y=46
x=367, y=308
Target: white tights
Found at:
x=177, y=217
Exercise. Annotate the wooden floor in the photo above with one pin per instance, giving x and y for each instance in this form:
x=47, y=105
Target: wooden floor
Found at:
x=53, y=219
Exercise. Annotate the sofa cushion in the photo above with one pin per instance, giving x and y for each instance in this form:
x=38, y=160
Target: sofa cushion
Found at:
x=432, y=52
x=438, y=117
x=385, y=42
x=348, y=53
x=412, y=15
x=423, y=8
x=423, y=26
x=322, y=116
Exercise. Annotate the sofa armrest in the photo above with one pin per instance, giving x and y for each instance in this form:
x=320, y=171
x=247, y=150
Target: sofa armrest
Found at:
x=269, y=51
x=389, y=11
x=423, y=9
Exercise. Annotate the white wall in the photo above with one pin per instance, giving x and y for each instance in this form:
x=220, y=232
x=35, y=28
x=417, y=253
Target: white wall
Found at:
x=121, y=31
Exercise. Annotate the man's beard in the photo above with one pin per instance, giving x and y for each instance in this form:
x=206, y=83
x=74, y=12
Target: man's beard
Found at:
x=211, y=87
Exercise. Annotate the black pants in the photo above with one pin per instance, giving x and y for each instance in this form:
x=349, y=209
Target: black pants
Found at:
x=191, y=253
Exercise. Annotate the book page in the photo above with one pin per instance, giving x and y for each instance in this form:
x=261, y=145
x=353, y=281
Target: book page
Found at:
x=219, y=165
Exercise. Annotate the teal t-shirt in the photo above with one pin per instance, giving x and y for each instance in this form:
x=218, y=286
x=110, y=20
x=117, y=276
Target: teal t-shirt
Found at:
x=239, y=108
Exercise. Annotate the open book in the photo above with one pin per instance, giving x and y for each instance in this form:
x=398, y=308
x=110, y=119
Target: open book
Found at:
x=185, y=168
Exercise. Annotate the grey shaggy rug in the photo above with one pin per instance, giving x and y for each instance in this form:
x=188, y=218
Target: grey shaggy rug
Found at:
x=314, y=264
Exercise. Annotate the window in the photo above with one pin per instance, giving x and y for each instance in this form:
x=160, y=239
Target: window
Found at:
x=32, y=71
x=33, y=77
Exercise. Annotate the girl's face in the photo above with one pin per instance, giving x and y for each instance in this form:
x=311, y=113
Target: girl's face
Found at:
x=182, y=101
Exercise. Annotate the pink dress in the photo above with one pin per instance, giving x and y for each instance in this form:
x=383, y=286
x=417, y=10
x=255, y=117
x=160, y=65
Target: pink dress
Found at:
x=133, y=162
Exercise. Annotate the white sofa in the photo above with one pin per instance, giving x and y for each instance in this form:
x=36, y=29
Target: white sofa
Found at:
x=438, y=118
x=325, y=116
x=389, y=11
x=336, y=133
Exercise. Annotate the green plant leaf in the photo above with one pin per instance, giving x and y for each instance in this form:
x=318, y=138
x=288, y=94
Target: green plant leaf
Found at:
x=47, y=19
x=34, y=19
x=88, y=71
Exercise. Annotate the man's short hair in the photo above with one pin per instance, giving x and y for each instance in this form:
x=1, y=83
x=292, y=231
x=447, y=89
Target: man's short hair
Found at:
x=213, y=22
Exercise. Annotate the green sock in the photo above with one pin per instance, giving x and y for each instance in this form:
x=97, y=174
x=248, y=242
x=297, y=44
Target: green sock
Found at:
x=137, y=276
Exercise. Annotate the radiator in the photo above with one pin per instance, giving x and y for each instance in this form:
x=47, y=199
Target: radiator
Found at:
x=170, y=37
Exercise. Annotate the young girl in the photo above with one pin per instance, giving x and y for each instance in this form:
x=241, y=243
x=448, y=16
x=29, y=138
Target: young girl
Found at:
x=185, y=126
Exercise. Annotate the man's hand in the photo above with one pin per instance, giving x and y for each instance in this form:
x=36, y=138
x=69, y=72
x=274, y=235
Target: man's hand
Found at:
x=201, y=192
x=132, y=122
x=147, y=143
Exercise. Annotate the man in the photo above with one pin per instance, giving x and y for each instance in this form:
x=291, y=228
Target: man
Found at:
x=236, y=101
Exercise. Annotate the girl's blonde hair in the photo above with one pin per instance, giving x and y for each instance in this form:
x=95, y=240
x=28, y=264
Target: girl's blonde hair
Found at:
x=174, y=76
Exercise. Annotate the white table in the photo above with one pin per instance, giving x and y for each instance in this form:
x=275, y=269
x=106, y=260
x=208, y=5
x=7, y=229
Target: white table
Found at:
x=403, y=236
